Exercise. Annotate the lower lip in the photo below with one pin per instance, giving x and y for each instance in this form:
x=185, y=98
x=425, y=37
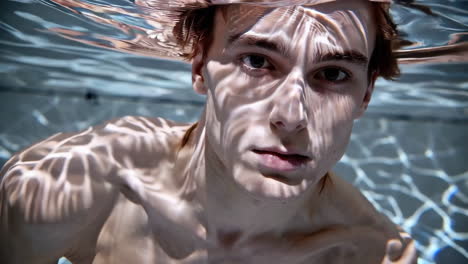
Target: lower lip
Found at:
x=280, y=162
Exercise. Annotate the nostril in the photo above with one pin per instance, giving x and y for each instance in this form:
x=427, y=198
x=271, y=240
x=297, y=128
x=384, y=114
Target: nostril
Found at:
x=288, y=123
x=279, y=124
x=288, y=127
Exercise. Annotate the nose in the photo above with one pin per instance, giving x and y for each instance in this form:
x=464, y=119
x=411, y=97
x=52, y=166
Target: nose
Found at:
x=288, y=114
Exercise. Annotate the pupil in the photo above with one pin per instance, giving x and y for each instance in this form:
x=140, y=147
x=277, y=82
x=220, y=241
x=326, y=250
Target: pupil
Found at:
x=332, y=74
x=257, y=61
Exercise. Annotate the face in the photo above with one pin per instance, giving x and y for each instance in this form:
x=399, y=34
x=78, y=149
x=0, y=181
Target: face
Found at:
x=284, y=86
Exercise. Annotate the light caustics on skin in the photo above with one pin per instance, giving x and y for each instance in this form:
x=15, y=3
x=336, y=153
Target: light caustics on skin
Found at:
x=56, y=178
x=286, y=104
x=78, y=177
x=135, y=174
x=302, y=107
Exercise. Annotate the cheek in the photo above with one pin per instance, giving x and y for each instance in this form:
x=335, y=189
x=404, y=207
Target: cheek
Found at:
x=235, y=102
x=334, y=110
x=243, y=126
x=232, y=87
x=331, y=123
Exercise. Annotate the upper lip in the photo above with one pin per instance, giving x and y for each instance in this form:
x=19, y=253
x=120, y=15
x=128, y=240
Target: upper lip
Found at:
x=281, y=151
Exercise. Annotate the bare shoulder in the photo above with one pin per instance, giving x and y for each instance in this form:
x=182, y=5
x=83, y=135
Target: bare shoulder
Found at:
x=350, y=204
x=347, y=206
x=69, y=181
x=158, y=129
x=67, y=162
x=113, y=139
x=137, y=137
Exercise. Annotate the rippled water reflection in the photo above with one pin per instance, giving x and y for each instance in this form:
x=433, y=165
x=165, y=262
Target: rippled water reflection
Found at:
x=65, y=65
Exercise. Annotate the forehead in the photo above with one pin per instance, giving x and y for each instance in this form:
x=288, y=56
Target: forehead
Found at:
x=333, y=25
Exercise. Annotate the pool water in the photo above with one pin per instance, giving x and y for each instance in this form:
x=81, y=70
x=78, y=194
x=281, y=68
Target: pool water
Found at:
x=66, y=65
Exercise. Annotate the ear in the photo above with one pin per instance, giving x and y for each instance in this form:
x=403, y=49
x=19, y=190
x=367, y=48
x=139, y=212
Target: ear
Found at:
x=198, y=83
x=368, y=94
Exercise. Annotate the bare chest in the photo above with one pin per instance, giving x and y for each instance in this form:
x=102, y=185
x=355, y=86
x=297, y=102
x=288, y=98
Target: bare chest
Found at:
x=127, y=237
x=130, y=236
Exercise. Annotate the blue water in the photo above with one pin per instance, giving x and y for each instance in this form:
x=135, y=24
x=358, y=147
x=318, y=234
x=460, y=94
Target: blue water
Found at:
x=64, y=67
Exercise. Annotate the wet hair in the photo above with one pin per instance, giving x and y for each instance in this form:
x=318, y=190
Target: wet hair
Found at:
x=383, y=60
x=194, y=31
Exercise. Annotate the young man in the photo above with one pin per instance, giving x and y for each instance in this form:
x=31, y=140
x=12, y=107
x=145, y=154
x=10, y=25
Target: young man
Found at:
x=250, y=182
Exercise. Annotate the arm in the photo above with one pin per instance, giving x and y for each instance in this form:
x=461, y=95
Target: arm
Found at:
x=54, y=198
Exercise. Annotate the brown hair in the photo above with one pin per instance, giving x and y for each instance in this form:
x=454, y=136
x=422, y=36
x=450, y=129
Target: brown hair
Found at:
x=383, y=60
x=194, y=30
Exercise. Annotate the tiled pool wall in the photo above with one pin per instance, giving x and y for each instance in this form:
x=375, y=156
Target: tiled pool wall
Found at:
x=413, y=171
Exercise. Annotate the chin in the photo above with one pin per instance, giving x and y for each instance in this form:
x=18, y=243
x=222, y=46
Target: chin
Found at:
x=267, y=183
x=271, y=187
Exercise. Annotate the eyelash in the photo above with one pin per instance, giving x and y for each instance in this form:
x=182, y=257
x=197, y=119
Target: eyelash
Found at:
x=250, y=69
x=348, y=74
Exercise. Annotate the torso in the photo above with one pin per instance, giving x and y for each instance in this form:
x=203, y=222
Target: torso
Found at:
x=126, y=237
x=346, y=226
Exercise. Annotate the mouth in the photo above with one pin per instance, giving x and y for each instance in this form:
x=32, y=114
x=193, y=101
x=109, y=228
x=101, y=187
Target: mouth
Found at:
x=281, y=161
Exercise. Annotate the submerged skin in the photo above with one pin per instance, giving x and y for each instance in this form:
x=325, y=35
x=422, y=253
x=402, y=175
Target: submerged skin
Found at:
x=283, y=89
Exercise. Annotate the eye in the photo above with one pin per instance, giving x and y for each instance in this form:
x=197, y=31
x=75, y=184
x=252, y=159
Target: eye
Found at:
x=255, y=62
x=332, y=74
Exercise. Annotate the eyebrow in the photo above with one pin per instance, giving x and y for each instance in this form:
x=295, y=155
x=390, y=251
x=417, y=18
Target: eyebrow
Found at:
x=351, y=56
x=261, y=42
